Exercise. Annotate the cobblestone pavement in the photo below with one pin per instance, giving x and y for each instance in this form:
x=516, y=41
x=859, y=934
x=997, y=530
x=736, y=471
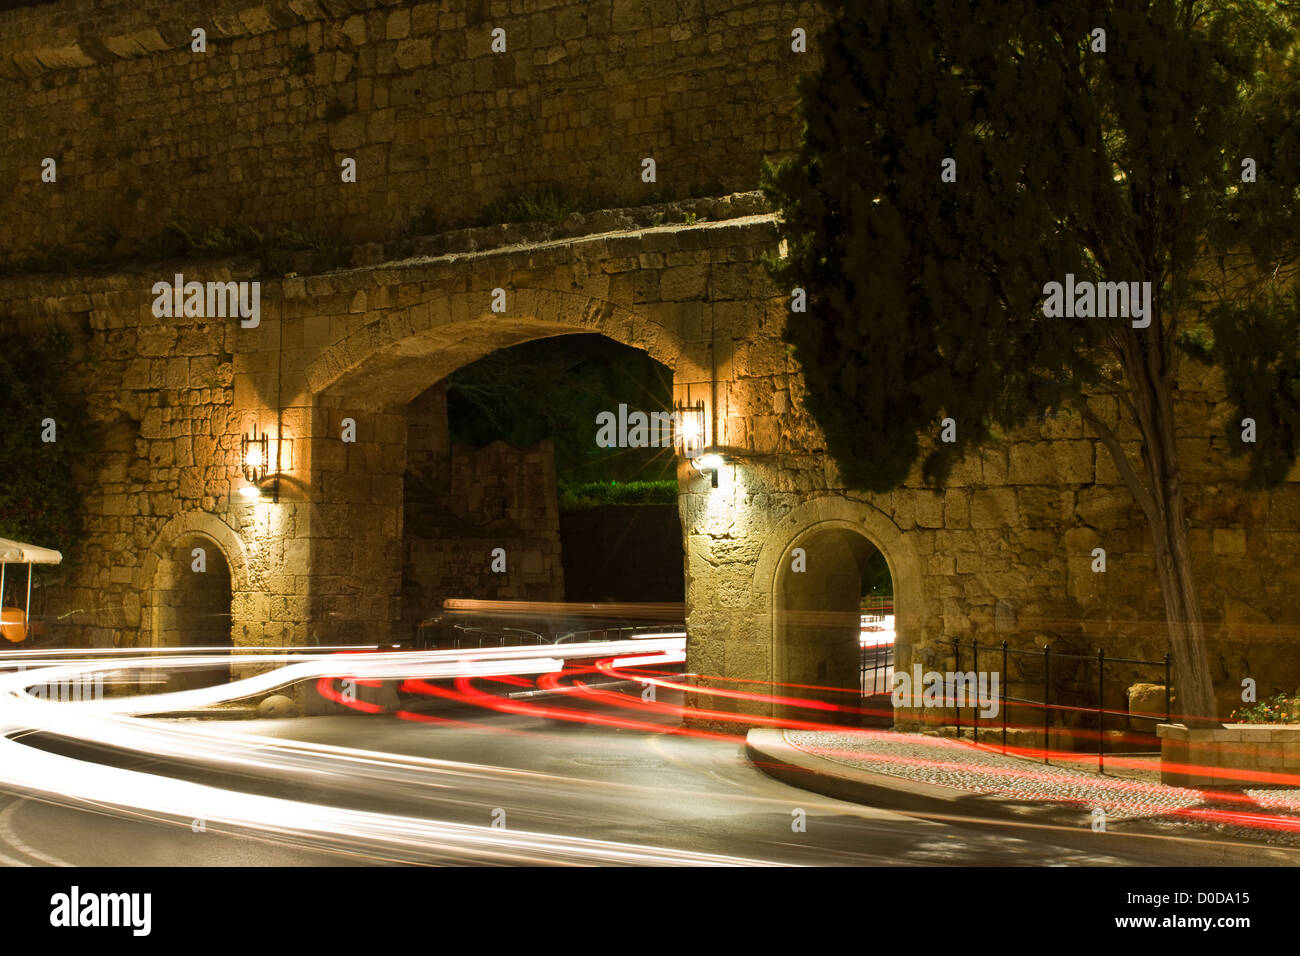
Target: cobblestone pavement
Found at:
x=1270, y=814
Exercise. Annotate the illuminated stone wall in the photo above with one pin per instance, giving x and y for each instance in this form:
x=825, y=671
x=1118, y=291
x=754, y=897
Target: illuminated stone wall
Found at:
x=1003, y=552
x=253, y=131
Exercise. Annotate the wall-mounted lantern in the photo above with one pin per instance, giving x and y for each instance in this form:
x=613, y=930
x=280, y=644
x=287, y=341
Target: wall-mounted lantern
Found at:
x=710, y=464
x=689, y=428
x=690, y=436
x=254, y=451
x=261, y=458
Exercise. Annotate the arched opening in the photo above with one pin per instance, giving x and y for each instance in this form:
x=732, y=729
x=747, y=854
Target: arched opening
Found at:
x=192, y=599
x=371, y=387
x=512, y=490
x=834, y=628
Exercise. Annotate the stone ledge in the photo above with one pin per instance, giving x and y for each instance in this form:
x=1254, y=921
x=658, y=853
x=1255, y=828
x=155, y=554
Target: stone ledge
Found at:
x=130, y=31
x=1233, y=756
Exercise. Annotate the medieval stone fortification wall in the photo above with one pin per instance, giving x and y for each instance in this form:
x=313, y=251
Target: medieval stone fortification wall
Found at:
x=253, y=131
x=1003, y=552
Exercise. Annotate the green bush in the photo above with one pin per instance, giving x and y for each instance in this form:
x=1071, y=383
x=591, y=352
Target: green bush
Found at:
x=581, y=496
x=181, y=239
x=39, y=498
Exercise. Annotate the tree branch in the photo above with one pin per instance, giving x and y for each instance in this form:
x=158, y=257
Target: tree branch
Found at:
x=1141, y=493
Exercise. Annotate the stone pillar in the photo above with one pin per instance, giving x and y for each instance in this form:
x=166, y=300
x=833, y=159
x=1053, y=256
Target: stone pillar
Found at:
x=355, y=581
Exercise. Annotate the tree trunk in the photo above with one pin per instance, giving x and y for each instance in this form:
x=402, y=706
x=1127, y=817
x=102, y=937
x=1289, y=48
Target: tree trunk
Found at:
x=1159, y=492
x=1191, y=662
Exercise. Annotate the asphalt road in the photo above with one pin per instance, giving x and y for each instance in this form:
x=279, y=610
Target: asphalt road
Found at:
x=544, y=776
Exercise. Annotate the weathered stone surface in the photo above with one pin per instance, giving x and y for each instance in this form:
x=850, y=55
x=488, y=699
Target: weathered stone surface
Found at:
x=277, y=705
x=418, y=99
x=580, y=109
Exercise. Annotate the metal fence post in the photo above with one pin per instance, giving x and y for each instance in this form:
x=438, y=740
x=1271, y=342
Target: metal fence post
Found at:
x=1047, y=689
x=956, y=666
x=1167, y=689
x=1004, y=697
x=1101, y=711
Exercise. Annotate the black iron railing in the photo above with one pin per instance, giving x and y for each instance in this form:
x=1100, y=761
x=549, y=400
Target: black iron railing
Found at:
x=877, y=669
x=1047, y=655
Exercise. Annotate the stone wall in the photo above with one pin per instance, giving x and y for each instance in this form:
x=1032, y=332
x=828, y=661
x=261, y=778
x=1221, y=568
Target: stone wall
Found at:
x=462, y=504
x=1003, y=552
x=1238, y=756
x=253, y=131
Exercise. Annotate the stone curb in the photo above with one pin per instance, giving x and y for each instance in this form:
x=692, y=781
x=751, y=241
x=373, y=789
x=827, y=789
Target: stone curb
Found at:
x=769, y=752
x=228, y=713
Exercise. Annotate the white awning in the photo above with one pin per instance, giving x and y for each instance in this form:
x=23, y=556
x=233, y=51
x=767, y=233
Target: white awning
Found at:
x=15, y=552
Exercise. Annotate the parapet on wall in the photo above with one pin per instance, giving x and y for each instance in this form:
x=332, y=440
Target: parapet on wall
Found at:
x=253, y=131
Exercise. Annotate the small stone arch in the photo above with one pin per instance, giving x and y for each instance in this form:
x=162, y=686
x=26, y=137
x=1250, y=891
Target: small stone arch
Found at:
x=199, y=525
x=839, y=521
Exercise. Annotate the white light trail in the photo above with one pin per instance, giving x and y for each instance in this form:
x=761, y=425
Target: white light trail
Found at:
x=111, y=722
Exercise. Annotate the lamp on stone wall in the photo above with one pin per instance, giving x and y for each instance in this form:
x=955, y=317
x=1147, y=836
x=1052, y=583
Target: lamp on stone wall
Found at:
x=689, y=436
x=262, y=458
x=688, y=428
x=254, y=452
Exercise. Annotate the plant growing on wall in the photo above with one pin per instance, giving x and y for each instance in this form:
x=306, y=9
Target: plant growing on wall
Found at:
x=555, y=388
x=961, y=156
x=39, y=497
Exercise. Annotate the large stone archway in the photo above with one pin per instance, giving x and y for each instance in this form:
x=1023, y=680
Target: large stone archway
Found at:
x=363, y=387
x=394, y=357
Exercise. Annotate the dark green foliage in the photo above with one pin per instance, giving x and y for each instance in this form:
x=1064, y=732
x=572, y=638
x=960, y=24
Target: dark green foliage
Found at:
x=554, y=388
x=542, y=204
x=925, y=297
x=39, y=497
x=1256, y=343
x=553, y=202
x=876, y=580
x=58, y=259
x=424, y=222
x=180, y=239
x=582, y=496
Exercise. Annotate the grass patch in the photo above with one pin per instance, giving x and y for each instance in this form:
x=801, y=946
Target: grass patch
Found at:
x=180, y=239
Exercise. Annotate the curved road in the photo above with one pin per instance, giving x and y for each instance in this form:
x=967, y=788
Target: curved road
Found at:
x=625, y=786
